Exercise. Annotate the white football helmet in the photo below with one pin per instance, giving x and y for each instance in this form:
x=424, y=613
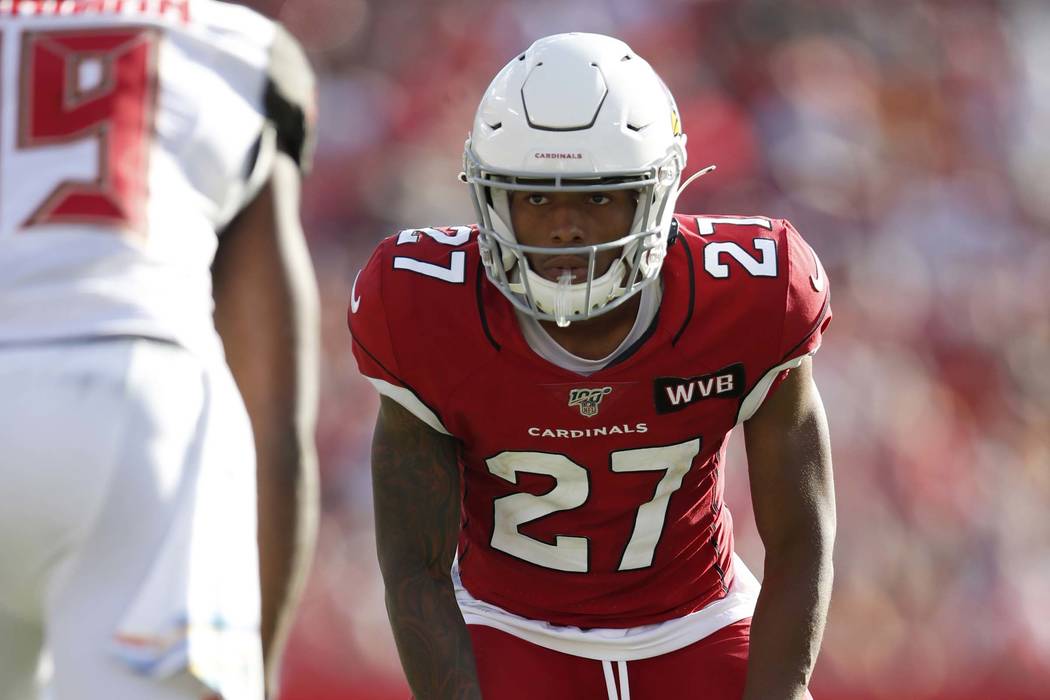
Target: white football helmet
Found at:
x=575, y=113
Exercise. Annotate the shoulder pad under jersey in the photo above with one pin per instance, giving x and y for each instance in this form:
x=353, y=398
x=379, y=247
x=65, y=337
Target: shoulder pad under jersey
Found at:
x=773, y=274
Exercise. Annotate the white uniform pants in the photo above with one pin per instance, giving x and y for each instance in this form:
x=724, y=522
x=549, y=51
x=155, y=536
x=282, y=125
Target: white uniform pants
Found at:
x=128, y=567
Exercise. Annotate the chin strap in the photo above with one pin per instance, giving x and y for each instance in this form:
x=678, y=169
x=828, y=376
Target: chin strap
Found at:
x=564, y=299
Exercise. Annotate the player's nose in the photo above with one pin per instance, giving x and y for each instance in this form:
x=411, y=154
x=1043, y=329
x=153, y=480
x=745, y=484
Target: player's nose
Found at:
x=566, y=224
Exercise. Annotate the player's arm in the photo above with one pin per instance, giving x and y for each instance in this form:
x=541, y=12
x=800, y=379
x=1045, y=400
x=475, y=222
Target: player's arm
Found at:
x=416, y=491
x=789, y=460
x=266, y=310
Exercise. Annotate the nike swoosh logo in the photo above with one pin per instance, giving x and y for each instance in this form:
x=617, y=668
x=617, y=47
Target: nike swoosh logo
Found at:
x=355, y=301
x=818, y=281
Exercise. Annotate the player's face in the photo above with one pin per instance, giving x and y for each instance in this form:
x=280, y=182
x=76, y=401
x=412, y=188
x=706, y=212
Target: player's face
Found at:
x=564, y=219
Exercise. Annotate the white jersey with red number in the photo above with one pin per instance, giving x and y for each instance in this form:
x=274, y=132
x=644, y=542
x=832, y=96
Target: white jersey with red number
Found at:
x=597, y=501
x=129, y=134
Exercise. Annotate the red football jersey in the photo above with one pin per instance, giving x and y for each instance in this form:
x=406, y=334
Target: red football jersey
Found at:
x=593, y=501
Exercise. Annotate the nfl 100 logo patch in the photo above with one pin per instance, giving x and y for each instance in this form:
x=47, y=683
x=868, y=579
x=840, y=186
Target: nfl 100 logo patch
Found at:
x=588, y=399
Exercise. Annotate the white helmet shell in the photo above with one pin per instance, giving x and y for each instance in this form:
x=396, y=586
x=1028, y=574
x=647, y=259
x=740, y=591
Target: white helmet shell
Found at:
x=575, y=112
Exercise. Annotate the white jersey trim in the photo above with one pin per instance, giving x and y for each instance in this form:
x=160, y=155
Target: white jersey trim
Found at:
x=410, y=402
x=751, y=403
x=629, y=644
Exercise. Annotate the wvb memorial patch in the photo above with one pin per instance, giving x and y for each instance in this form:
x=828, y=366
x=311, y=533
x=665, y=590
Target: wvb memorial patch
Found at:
x=675, y=393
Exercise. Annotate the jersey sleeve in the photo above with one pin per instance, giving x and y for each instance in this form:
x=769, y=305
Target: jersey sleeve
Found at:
x=373, y=346
x=807, y=301
x=806, y=315
x=287, y=100
x=267, y=91
x=290, y=98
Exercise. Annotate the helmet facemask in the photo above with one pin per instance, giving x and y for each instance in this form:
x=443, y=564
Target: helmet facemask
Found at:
x=642, y=247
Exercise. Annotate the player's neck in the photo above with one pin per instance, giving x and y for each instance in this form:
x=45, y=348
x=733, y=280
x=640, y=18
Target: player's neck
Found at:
x=599, y=337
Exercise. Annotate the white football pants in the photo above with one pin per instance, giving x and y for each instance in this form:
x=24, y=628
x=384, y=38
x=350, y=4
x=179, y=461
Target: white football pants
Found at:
x=128, y=564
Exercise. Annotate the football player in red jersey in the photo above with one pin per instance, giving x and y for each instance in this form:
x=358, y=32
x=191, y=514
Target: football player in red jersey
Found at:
x=558, y=385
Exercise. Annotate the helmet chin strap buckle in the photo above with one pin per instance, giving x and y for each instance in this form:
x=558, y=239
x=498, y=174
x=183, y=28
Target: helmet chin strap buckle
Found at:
x=672, y=235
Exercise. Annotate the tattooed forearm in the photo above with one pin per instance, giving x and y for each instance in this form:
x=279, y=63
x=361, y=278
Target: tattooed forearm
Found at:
x=416, y=489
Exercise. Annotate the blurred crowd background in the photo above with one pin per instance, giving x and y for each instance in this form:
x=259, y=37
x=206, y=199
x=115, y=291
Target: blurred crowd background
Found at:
x=910, y=143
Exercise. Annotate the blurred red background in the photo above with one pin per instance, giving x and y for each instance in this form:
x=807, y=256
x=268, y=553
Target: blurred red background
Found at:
x=908, y=143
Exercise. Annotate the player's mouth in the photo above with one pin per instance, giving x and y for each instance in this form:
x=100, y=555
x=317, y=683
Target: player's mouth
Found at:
x=555, y=267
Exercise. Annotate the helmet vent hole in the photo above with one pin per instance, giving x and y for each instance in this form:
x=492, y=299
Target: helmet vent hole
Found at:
x=521, y=57
x=625, y=58
x=633, y=127
x=495, y=126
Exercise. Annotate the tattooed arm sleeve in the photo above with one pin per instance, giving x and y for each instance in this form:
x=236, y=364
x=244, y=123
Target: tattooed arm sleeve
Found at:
x=416, y=489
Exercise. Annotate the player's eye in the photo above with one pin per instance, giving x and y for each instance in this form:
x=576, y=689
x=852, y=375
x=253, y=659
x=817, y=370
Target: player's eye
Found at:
x=537, y=199
x=600, y=198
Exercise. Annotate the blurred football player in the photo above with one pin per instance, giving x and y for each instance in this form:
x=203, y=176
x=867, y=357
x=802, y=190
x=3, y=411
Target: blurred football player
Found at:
x=558, y=385
x=150, y=157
